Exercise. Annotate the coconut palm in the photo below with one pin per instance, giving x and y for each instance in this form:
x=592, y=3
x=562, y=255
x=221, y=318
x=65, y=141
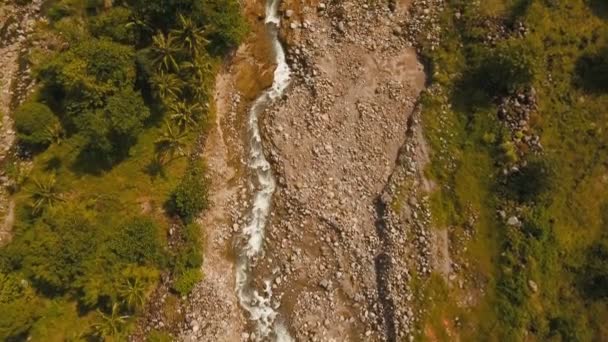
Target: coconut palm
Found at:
x=171, y=144
x=190, y=36
x=44, y=193
x=168, y=86
x=133, y=293
x=200, y=72
x=183, y=114
x=165, y=52
x=111, y=325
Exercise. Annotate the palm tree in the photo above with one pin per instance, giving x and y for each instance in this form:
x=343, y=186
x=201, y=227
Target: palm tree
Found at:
x=183, y=114
x=164, y=52
x=200, y=72
x=171, y=144
x=168, y=86
x=44, y=193
x=190, y=36
x=54, y=133
x=133, y=293
x=111, y=325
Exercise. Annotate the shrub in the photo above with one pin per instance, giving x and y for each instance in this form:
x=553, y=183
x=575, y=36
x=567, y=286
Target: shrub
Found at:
x=35, y=124
x=113, y=24
x=185, y=282
x=506, y=68
x=190, y=197
x=139, y=242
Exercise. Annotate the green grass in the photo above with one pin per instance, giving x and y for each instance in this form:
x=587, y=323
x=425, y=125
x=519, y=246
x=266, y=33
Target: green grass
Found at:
x=466, y=165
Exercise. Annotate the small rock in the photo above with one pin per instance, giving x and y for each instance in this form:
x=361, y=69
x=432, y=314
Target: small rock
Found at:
x=513, y=221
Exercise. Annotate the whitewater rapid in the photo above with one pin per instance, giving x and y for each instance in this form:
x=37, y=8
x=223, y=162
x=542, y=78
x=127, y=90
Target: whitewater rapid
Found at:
x=261, y=310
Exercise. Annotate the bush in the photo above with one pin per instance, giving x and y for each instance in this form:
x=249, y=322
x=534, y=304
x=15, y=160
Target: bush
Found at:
x=190, y=197
x=113, y=24
x=139, y=242
x=185, y=282
x=35, y=124
x=506, y=68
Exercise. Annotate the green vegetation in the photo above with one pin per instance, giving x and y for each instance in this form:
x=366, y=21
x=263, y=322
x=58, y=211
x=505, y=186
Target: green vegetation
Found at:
x=123, y=99
x=544, y=275
x=189, y=198
x=36, y=125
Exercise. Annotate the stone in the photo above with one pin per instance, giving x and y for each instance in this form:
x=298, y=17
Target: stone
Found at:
x=289, y=13
x=513, y=221
x=533, y=286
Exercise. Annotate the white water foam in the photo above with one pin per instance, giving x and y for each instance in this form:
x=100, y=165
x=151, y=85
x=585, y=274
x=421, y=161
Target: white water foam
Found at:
x=259, y=306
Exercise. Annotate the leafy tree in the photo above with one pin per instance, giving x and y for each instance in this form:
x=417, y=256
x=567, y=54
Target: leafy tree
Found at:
x=161, y=14
x=36, y=125
x=165, y=53
x=88, y=73
x=114, y=24
x=171, y=144
x=189, y=36
x=112, y=130
x=190, y=197
x=226, y=26
x=55, y=250
x=44, y=193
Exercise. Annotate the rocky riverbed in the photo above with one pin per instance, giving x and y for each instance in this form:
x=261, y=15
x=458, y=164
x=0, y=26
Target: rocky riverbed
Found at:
x=334, y=142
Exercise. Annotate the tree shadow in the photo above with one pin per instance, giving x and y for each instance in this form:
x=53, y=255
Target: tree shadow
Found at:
x=53, y=164
x=155, y=169
x=599, y=8
x=591, y=72
x=93, y=162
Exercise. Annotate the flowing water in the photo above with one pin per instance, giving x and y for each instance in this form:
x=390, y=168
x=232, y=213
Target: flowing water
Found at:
x=260, y=307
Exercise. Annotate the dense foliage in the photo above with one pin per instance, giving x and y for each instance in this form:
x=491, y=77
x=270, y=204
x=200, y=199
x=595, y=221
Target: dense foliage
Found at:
x=123, y=85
